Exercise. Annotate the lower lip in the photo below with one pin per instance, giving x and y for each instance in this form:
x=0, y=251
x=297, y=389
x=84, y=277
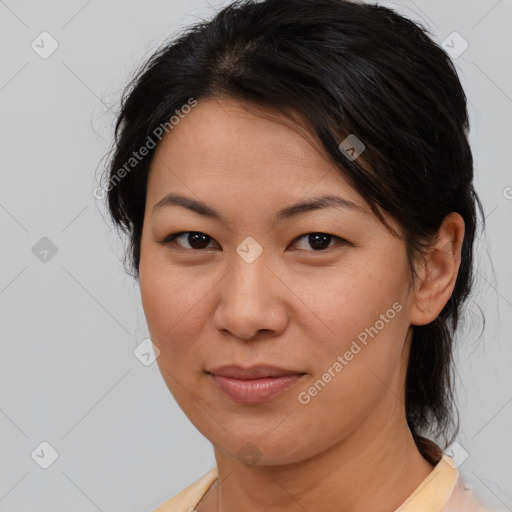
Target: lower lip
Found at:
x=255, y=391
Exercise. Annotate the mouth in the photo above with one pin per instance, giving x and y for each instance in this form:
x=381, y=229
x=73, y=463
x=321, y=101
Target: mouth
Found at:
x=253, y=385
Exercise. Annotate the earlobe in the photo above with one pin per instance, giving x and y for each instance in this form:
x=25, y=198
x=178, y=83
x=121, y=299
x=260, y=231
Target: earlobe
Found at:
x=437, y=271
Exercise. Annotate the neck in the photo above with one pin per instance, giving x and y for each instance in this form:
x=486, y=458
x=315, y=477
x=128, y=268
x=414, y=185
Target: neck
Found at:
x=376, y=468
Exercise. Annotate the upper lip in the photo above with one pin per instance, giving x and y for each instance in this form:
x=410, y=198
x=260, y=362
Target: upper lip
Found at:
x=252, y=372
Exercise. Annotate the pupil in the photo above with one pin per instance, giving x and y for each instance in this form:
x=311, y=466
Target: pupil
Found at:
x=194, y=238
x=317, y=240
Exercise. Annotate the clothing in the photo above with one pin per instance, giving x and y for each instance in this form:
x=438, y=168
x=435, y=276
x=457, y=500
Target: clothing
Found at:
x=442, y=491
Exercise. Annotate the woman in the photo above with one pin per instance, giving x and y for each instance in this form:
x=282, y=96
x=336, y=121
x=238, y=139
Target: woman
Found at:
x=295, y=180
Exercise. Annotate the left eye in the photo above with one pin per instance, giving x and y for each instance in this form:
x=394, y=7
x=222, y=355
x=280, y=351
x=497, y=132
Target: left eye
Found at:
x=198, y=241
x=319, y=241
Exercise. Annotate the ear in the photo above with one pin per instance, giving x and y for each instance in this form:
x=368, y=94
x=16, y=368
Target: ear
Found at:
x=438, y=272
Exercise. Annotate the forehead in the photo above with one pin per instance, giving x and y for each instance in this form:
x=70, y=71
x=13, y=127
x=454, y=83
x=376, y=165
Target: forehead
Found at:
x=224, y=145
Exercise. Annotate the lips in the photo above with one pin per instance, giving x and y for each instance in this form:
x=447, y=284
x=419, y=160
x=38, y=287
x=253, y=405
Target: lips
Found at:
x=253, y=385
x=253, y=372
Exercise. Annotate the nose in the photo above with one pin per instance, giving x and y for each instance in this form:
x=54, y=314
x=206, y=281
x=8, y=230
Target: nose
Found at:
x=252, y=302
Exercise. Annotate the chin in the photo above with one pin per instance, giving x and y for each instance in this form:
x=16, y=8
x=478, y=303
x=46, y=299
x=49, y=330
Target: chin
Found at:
x=260, y=450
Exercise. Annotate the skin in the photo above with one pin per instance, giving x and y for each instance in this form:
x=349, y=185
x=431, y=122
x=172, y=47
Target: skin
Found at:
x=294, y=306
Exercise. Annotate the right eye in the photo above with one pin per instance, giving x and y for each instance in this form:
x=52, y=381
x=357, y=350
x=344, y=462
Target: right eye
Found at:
x=196, y=240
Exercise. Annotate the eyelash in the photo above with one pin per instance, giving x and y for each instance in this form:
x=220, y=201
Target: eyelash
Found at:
x=168, y=241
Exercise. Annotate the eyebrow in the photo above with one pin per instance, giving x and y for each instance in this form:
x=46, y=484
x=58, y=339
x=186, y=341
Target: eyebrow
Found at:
x=317, y=203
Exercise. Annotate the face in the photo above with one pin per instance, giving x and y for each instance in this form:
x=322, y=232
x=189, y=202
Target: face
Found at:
x=320, y=292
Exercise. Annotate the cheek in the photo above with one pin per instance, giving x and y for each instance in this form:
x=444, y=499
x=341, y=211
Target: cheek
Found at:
x=174, y=312
x=163, y=294
x=347, y=301
x=361, y=337
x=177, y=310
x=172, y=302
x=352, y=377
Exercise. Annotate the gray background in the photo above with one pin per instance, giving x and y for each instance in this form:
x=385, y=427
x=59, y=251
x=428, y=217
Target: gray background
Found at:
x=70, y=323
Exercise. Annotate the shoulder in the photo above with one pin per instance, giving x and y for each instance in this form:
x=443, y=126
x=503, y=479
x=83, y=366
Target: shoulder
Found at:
x=187, y=499
x=462, y=499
